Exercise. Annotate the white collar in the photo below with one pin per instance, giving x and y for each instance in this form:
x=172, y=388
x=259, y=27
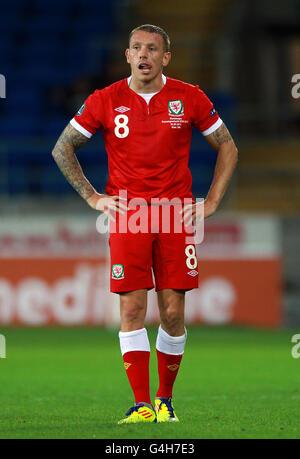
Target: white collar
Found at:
x=164, y=78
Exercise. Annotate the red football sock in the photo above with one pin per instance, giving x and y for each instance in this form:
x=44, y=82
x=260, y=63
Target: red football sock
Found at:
x=168, y=366
x=137, y=368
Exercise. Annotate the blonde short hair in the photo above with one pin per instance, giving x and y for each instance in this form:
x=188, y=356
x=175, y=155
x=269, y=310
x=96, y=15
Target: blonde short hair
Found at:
x=153, y=29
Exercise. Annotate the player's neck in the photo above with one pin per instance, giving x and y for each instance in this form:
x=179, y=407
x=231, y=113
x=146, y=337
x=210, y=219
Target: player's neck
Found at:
x=146, y=87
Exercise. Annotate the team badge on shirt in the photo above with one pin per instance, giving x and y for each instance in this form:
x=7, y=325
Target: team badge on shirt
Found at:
x=175, y=107
x=117, y=271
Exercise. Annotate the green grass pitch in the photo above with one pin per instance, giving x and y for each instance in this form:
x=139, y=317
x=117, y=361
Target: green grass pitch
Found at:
x=71, y=383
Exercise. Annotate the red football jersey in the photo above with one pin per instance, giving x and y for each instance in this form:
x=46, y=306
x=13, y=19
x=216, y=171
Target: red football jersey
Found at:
x=148, y=145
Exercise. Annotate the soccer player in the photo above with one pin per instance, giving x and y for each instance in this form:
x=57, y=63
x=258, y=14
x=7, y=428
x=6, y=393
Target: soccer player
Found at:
x=146, y=121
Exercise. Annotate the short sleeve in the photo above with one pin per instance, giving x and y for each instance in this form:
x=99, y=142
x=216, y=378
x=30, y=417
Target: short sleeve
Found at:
x=205, y=118
x=89, y=117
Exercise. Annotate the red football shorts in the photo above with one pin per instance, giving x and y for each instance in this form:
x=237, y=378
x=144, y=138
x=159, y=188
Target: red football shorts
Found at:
x=152, y=239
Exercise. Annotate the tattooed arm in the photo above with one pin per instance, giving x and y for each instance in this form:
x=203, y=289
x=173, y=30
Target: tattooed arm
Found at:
x=223, y=143
x=65, y=157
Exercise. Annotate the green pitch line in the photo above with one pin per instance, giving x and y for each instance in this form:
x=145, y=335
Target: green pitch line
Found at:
x=71, y=383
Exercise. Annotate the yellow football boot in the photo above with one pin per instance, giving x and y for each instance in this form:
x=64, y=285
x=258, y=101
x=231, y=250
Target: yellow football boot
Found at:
x=164, y=410
x=139, y=413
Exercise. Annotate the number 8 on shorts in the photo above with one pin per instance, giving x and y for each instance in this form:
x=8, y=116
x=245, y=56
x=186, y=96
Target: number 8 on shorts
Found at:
x=191, y=260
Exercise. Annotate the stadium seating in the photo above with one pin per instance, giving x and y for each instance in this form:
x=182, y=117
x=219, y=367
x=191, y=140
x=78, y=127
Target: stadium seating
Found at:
x=46, y=46
x=41, y=48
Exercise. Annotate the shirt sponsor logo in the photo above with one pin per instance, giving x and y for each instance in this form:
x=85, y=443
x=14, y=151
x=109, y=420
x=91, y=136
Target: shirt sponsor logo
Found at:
x=175, y=107
x=122, y=109
x=117, y=271
x=193, y=273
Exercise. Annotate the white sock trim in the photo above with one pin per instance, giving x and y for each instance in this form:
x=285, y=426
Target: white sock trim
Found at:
x=167, y=344
x=136, y=340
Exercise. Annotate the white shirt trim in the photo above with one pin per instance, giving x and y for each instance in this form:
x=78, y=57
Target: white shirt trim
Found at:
x=164, y=78
x=147, y=97
x=212, y=128
x=79, y=128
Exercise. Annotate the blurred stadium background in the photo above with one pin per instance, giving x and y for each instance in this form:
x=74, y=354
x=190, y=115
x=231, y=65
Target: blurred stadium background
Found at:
x=243, y=54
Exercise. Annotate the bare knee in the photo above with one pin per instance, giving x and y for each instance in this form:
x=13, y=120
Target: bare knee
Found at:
x=172, y=321
x=133, y=311
x=172, y=314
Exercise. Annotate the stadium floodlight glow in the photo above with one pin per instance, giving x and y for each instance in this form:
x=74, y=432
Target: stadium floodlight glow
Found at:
x=2, y=347
x=2, y=87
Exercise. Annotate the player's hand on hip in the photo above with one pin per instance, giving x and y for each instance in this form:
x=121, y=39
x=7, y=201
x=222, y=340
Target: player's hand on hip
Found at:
x=209, y=208
x=195, y=213
x=109, y=205
x=191, y=213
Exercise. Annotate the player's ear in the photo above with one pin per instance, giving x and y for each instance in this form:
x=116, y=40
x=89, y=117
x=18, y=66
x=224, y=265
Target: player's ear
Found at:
x=166, y=59
x=127, y=55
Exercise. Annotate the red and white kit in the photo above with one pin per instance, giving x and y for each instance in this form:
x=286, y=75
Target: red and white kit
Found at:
x=148, y=148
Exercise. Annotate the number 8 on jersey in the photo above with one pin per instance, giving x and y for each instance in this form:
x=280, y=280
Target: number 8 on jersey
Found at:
x=121, y=129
